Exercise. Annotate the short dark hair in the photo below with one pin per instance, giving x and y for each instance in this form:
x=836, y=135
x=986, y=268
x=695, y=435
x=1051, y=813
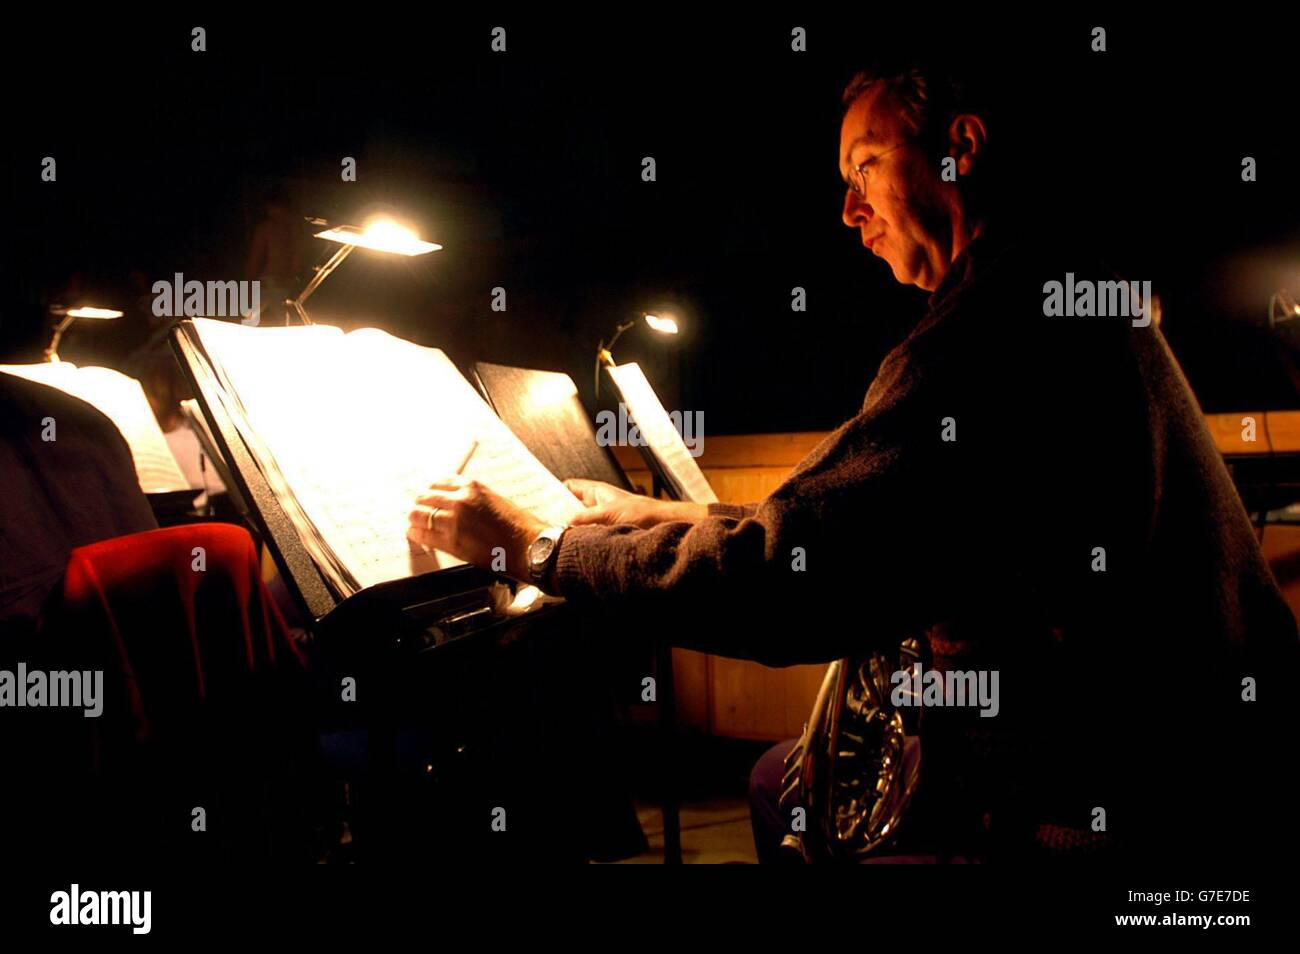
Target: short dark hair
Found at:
x=930, y=92
x=929, y=97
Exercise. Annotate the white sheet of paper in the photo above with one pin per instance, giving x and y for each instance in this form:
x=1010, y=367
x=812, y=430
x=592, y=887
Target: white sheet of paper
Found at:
x=657, y=430
x=122, y=400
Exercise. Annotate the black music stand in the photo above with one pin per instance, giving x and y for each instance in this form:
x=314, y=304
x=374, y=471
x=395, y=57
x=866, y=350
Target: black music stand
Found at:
x=545, y=412
x=433, y=649
x=385, y=630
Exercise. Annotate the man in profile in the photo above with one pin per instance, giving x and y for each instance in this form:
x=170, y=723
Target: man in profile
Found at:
x=1028, y=494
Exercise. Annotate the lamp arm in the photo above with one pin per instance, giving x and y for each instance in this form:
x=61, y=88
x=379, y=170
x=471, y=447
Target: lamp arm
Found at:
x=322, y=273
x=618, y=332
x=604, y=352
x=52, y=352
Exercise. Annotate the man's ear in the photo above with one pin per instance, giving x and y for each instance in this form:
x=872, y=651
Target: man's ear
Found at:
x=967, y=137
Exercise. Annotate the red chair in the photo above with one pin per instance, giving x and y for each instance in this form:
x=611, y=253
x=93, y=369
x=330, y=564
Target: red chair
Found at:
x=181, y=618
x=205, y=701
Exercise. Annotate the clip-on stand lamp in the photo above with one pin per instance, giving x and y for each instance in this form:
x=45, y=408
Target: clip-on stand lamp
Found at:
x=605, y=352
x=69, y=316
x=380, y=236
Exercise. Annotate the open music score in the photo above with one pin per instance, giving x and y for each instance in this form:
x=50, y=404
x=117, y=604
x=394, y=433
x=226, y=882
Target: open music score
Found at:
x=122, y=400
x=350, y=428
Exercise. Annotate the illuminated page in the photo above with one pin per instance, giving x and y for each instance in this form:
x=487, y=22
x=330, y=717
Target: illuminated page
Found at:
x=256, y=365
x=657, y=430
x=122, y=400
x=357, y=426
x=432, y=400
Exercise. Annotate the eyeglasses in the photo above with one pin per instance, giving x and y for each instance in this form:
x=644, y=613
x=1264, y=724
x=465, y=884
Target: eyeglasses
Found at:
x=857, y=180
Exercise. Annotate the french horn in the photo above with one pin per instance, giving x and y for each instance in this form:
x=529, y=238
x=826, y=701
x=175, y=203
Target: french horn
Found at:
x=856, y=765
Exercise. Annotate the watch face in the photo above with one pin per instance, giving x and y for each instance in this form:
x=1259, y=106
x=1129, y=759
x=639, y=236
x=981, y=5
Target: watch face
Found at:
x=539, y=551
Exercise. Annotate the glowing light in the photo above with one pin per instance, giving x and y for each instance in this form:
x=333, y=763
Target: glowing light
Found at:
x=665, y=326
x=382, y=235
x=93, y=313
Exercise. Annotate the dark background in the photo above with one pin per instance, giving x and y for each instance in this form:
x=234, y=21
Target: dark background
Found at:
x=526, y=166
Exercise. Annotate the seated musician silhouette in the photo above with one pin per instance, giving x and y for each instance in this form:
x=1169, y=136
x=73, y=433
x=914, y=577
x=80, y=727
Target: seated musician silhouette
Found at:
x=63, y=488
x=1026, y=494
x=88, y=583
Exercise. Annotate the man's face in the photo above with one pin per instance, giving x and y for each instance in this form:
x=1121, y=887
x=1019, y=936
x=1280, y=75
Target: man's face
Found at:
x=906, y=214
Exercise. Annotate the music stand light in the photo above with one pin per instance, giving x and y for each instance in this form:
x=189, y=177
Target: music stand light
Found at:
x=662, y=324
x=69, y=316
x=382, y=235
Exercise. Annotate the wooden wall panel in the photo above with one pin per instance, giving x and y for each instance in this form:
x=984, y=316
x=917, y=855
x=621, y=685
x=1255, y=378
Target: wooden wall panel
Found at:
x=732, y=697
x=1281, y=543
x=1227, y=432
x=1283, y=430
x=750, y=701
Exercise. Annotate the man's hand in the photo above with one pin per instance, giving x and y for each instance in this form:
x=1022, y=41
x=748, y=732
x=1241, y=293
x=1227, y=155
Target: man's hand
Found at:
x=464, y=518
x=460, y=516
x=612, y=505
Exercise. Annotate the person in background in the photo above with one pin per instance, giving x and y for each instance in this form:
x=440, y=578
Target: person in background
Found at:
x=79, y=488
x=274, y=256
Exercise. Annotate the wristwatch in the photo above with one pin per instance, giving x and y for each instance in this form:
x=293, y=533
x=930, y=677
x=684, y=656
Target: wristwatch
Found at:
x=541, y=554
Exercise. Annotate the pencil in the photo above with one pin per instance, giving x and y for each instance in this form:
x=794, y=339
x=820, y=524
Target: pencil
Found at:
x=468, y=454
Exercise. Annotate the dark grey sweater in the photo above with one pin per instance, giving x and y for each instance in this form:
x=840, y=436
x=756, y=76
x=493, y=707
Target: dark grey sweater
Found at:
x=1072, y=434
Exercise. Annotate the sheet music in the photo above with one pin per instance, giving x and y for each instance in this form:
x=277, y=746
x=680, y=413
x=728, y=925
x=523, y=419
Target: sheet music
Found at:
x=187, y=447
x=357, y=426
x=122, y=400
x=199, y=424
x=657, y=430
